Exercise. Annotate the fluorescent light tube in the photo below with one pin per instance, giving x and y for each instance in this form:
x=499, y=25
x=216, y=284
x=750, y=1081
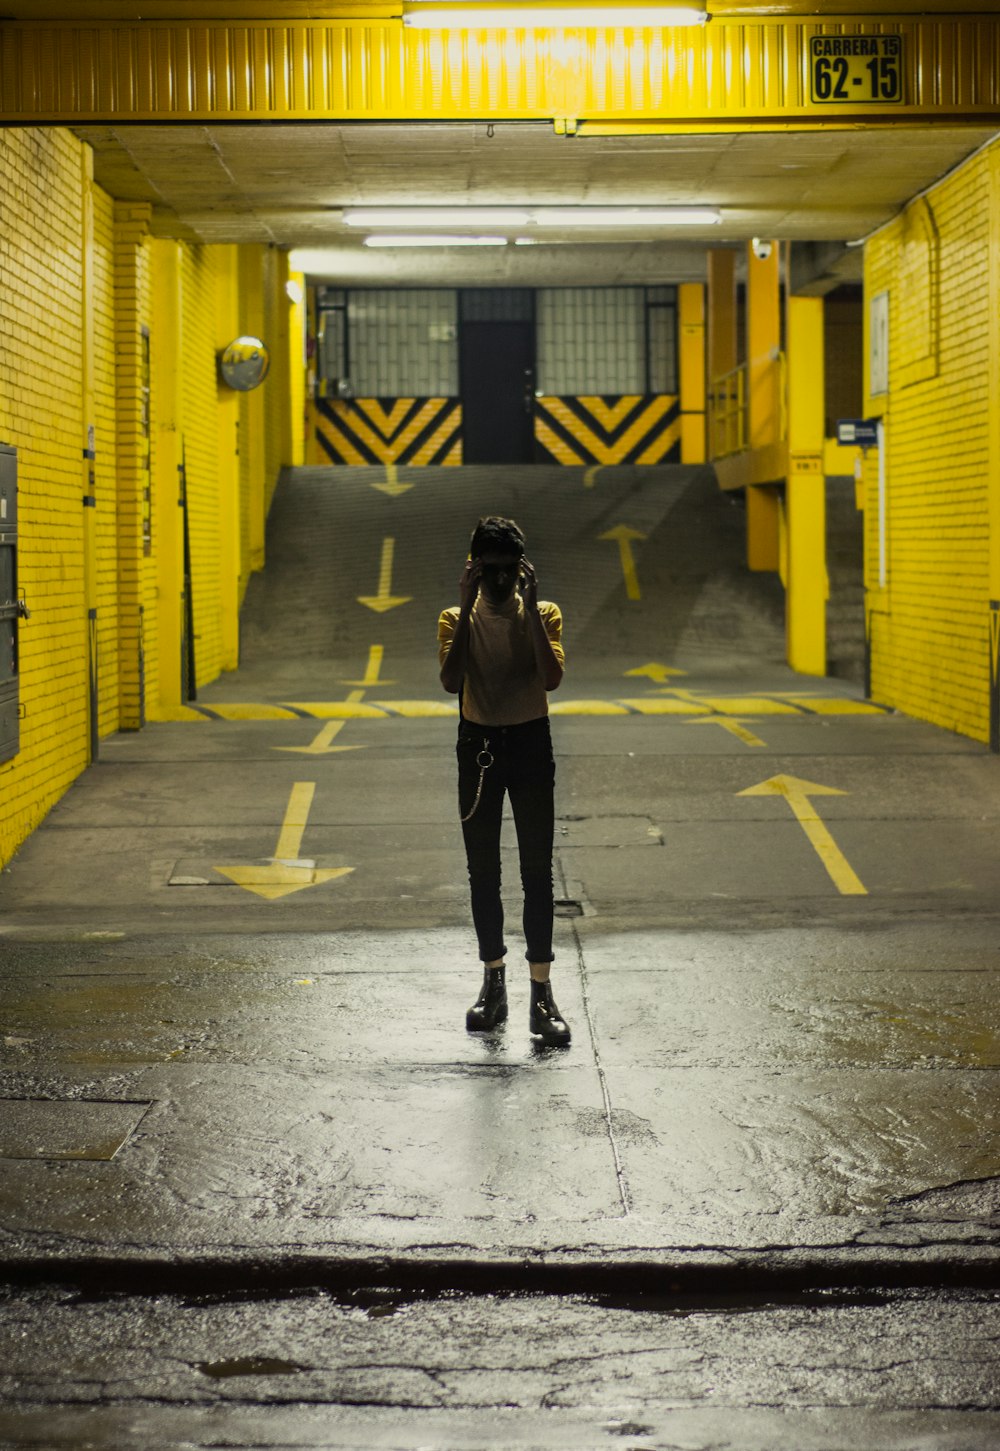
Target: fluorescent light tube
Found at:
x=432, y=16
x=517, y=218
x=625, y=216
x=436, y=217
x=428, y=239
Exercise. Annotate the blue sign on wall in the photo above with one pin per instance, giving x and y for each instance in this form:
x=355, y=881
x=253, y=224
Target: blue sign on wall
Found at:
x=862, y=432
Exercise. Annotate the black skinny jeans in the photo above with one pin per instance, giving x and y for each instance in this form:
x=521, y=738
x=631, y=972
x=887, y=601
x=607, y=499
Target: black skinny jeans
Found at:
x=524, y=769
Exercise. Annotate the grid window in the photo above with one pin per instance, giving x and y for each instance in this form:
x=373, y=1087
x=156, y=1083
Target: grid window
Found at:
x=661, y=319
x=403, y=343
x=591, y=340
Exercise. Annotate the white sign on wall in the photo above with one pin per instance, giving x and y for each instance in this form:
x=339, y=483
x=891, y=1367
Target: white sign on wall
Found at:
x=878, y=344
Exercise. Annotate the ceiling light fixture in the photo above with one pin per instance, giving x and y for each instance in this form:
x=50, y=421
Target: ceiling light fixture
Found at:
x=517, y=218
x=428, y=239
x=436, y=217
x=429, y=15
x=626, y=216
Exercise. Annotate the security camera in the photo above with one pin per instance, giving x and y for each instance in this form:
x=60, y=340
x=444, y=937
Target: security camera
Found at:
x=761, y=249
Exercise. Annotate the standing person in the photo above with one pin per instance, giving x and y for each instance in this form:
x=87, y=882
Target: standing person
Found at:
x=500, y=652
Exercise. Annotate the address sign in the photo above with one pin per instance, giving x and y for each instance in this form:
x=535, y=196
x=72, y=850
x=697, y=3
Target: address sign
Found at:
x=856, y=69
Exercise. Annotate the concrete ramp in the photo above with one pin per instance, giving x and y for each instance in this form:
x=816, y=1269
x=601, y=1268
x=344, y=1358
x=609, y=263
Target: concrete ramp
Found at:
x=643, y=561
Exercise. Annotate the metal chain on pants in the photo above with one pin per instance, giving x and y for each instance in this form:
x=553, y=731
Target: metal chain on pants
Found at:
x=484, y=766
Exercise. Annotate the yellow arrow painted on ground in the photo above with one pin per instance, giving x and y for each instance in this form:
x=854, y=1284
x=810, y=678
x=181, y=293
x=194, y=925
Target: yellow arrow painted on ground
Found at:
x=797, y=792
x=375, y=654
x=623, y=536
x=286, y=872
x=390, y=484
x=655, y=671
x=322, y=745
x=590, y=476
x=385, y=600
x=731, y=724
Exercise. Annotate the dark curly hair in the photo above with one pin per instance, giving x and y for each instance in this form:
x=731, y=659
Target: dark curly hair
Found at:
x=494, y=534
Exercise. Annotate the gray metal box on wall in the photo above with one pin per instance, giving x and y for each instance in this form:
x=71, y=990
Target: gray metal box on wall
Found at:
x=8, y=489
x=11, y=609
x=10, y=725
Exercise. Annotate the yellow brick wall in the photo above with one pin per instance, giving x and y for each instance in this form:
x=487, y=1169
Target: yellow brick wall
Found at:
x=136, y=601
x=248, y=407
x=275, y=392
x=929, y=625
x=227, y=412
x=163, y=576
x=200, y=277
x=41, y=415
x=105, y=423
x=253, y=306
x=43, y=184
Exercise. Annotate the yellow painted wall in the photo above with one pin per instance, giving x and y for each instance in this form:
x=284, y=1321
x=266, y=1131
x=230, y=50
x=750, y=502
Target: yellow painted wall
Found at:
x=277, y=403
x=296, y=362
x=227, y=327
x=162, y=582
x=928, y=625
x=253, y=421
x=80, y=279
x=105, y=462
x=200, y=279
x=41, y=415
x=691, y=321
x=135, y=600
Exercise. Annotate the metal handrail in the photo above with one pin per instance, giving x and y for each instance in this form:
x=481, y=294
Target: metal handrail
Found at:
x=729, y=413
x=728, y=423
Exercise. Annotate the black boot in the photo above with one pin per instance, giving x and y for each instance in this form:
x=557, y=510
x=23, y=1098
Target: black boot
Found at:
x=490, y=1008
x=546, y=1021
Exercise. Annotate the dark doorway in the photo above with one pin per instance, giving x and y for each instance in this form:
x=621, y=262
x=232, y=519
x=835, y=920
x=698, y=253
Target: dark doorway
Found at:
x=497, y=375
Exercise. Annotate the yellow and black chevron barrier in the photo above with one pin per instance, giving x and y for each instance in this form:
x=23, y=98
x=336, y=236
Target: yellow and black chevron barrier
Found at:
x=629, y=429
x=385, y=431
x=632, y=429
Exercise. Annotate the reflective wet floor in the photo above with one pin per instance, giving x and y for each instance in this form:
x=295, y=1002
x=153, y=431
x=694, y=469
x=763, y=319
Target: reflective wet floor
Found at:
x=236, y=960
x=378, y=1367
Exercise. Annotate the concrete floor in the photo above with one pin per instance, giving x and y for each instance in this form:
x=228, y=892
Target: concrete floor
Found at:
x=784, y=1072
x=377, y=1368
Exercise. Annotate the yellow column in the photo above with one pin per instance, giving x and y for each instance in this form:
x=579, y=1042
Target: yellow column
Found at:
x=691, y=310
x=763, y=398
x=805, y=490
x=721, y=329
x=166, y=363
x=252, y=411
x=89, y=451
x=721, y=311
x=296, y=288
x=132, y=455
x=228, y=418
x=280, y=390
x=314, y=454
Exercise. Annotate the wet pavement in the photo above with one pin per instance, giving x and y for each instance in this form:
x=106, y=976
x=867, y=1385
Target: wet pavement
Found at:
x=236, y=960
x=378, y=1368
